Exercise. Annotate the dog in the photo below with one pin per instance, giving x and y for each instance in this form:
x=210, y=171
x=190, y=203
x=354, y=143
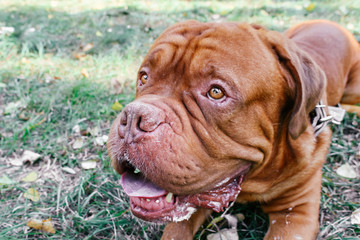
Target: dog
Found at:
x=234, y=112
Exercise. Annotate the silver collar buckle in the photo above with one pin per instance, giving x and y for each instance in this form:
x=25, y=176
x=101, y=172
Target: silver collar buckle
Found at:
x=319, y=118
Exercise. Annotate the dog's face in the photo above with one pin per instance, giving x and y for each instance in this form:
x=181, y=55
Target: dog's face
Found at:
x=197, y=125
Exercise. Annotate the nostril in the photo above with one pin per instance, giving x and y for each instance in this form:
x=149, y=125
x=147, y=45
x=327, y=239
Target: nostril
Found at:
x=149, y=123
x=137, y=119
x=138, y=124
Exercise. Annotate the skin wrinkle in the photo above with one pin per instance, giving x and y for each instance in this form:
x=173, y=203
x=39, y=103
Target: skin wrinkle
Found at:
x=169, y=110
x=202, y=115
x=203, y=134
x=155, y=147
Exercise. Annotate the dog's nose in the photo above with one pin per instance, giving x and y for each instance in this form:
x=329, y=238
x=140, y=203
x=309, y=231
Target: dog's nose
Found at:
x=137, y=119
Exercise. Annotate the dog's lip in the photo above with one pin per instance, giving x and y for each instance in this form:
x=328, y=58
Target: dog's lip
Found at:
x=156, y=207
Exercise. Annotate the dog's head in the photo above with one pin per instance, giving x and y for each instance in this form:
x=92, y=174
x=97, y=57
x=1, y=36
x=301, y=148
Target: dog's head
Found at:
x=211, y=100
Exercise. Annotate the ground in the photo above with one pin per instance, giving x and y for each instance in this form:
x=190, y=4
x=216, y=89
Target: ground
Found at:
x=67, y=68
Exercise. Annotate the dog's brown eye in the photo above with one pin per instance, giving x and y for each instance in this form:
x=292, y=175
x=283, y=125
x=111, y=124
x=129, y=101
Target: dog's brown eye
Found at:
x=215, y=93
x=143, y=79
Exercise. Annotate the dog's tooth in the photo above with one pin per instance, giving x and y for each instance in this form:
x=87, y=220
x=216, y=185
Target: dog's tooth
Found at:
x=157, y=201
x=148, y=200
x=136, y=171
x=169, y=197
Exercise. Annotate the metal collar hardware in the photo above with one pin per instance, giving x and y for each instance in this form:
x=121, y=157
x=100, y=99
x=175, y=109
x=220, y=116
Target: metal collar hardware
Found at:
x=320, y=119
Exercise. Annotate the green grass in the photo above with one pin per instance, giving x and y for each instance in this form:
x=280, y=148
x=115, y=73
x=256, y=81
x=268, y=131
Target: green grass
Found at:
x=42, y=76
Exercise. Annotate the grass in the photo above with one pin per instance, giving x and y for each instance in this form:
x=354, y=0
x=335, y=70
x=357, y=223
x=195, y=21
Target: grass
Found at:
x=64, y=66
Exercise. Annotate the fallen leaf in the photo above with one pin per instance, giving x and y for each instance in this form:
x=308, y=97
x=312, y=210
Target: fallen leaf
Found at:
x=43, y=225
x=89, y=164
x=94, y=131
x=85, y=133
x=13, y=106
x=80, y=55
x=24, y=116
x=78, y=143
x=88, y=47
x=117, y=106
x=355, y=217
x=2, y=85
x=76, y=129
x=264, y=13
x=310, y=7
x=29, y=156
x=31, y=177
x=61, y=139
x=232, y=220
x=47, y=78
x=16, y=162
x=24, y=60
x=6, y=30
x=5, y=180
x=347, y=171
x=224, y=234
x=101, y=140
x=99, y=34
x=32, y=194
x=85, y=73
x=240, y=217
x=69, y=170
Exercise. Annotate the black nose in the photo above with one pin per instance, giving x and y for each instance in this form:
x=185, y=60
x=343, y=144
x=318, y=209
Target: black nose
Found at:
x=138, y=119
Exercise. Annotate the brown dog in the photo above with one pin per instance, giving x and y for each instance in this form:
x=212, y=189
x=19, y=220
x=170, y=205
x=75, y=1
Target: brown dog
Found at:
x=223, y=104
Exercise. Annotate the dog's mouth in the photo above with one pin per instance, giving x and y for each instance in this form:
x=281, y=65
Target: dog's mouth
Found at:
x=152, y=203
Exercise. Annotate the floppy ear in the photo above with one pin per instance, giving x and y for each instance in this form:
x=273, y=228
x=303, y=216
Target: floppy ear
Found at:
x=306, y=80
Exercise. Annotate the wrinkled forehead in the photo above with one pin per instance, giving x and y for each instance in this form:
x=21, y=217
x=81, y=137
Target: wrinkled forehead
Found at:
x=195, y=48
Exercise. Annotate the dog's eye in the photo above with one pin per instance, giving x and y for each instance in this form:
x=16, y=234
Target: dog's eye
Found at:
x=215, y=93
x=143, y=79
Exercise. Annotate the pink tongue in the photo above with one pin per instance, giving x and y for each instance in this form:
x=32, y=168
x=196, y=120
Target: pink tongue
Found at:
x=135, y=185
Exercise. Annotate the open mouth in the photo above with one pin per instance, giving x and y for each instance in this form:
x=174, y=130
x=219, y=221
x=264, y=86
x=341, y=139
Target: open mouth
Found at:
x=152, y=203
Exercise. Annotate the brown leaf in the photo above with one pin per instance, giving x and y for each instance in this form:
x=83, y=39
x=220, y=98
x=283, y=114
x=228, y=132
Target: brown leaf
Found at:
x=85, y=133
x=79, y=55
x=42, y=225
x=85, y=73
x=88, y=47
x=24, y=116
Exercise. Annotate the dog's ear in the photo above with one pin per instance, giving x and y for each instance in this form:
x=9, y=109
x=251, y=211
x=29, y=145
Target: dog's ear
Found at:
x=305, y=78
